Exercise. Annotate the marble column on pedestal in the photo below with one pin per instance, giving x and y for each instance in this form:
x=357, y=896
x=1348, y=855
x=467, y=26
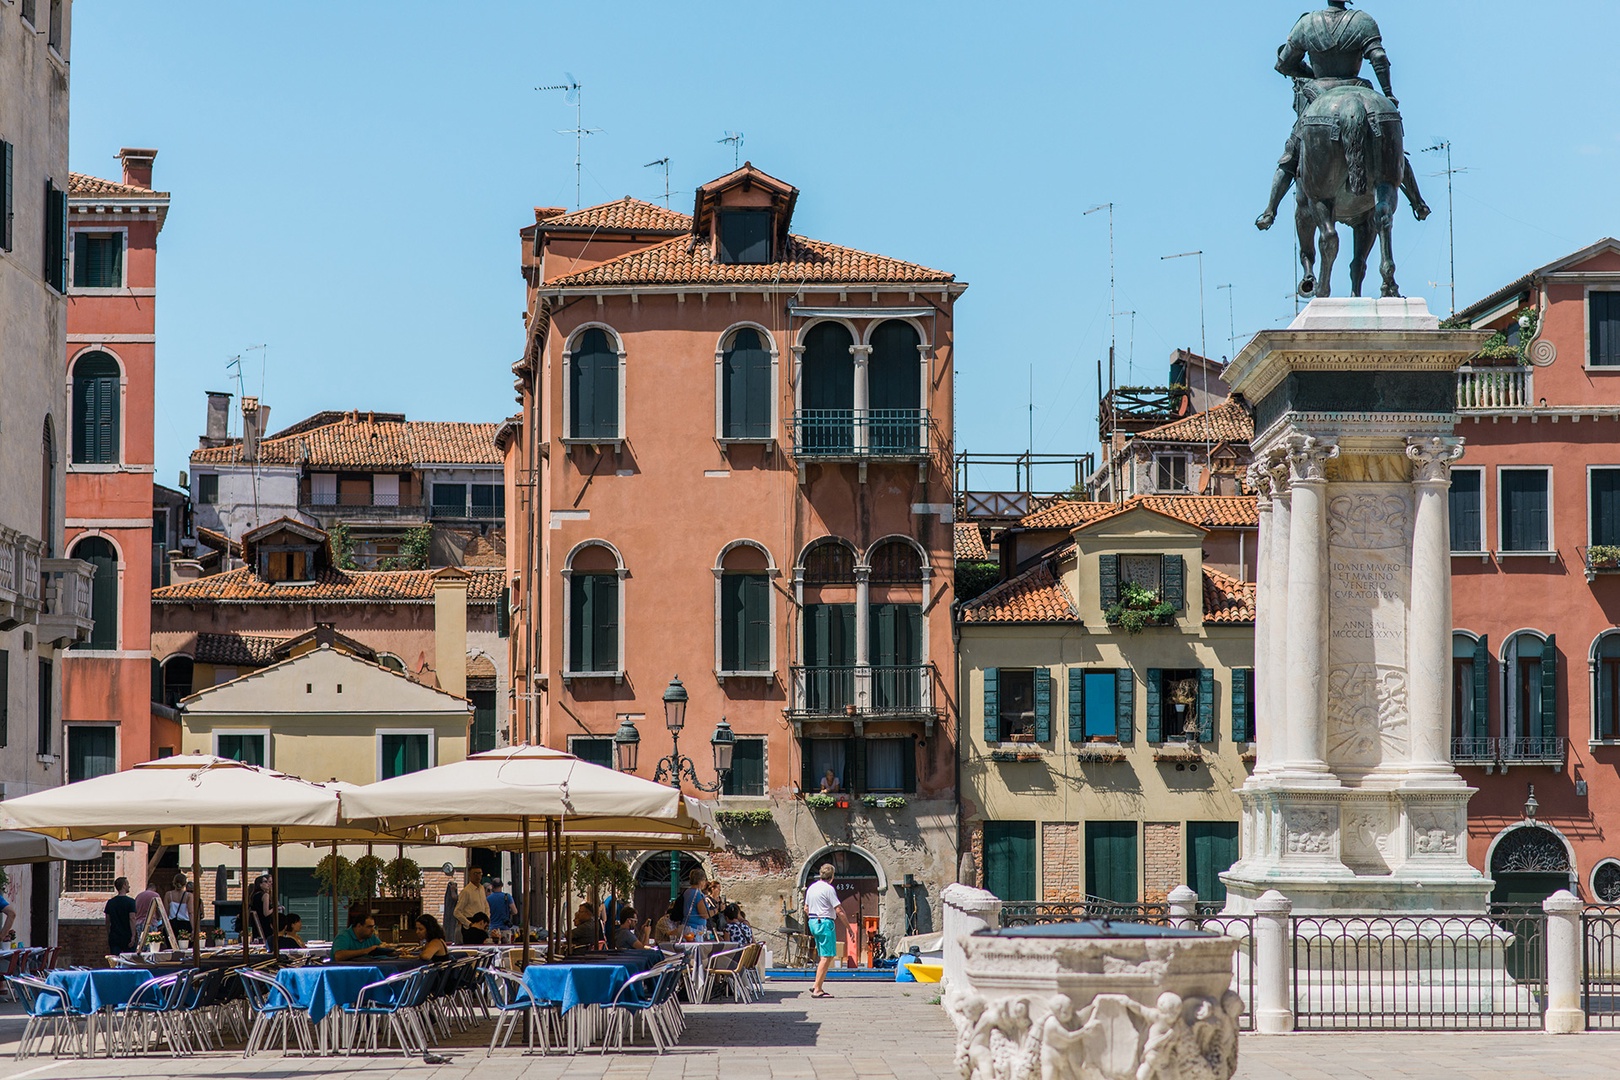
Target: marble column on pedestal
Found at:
x=1307, y=612
x=1273, y=648
x=1259, y=481
x=1428, y=661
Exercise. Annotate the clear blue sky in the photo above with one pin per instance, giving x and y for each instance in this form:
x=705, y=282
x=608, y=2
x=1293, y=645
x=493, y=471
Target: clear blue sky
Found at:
x=349, y=178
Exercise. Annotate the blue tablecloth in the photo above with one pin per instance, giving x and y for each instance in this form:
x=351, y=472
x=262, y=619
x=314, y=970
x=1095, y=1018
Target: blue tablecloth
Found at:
x=323, y=989
x=575, y=984
x=101, y=988
x=635, y=960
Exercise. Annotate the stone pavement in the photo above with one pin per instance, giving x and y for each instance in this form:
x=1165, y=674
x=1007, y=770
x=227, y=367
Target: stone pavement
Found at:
x=868, y=1031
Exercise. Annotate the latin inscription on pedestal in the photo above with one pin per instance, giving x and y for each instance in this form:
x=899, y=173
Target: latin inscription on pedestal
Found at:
x=1370, y=585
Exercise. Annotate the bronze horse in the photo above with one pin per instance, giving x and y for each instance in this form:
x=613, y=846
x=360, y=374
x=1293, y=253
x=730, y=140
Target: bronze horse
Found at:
x=1352, y=162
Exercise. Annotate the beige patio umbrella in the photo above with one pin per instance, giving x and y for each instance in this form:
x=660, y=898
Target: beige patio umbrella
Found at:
x=489, y=793
x=19, y=846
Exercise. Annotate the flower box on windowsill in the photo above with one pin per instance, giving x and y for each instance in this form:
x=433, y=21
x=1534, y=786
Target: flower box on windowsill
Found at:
x=1602, y=559
x=1100, y=752
x=1018, y=753
x=1021, y=737
x=1177, y=752
x=827, y=802
x=1249, y=756
x=884, y=802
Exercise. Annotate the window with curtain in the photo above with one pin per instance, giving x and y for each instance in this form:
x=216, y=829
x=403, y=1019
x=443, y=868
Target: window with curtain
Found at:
x=594, y=387
x=103, y=591
x=747, y=775
x=250, y=748
x=885, y=764
x=745, y=627
x=91, y=751
x=745, y=380
x=1525, y=525
x=1531, y=700
x=1467, y=510
x=593, y=630
x=820, y=755
x=405, y=752
x=1016, y=704
x=1464, y=718
x=96, y=409
x=1604, y=312
x=1606, y=724
x=98, y=260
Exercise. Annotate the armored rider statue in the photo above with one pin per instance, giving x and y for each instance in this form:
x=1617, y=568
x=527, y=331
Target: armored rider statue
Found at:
x=1335, y=40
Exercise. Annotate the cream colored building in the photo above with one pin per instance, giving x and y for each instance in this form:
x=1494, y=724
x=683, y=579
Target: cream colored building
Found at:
x=1098, y=762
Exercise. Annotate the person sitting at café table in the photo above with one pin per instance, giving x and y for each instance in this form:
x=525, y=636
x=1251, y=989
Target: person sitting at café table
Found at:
x=738, y=932
x=359, y=938
x=668, y=927
x=291, y=933
x=476, y=932
x=431, y=935
x=626, y=935
x=587, y=931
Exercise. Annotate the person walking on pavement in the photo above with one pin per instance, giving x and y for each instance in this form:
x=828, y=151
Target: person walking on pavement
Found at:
x=821, y=912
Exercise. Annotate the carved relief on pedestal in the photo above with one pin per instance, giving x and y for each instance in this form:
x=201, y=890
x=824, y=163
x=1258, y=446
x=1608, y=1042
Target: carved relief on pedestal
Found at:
x=1434, y=830
x=1309, y=831
x=1367, y=717
x=1364, y=833
x=1370, y=520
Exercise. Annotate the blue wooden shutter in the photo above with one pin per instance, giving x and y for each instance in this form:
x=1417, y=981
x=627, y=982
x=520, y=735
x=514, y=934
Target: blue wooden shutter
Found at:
x=1174, y=581
x=1155, y=720
x=992, y=705
x=1549, y=688
x=1077, y=705
x=1108, y=579
x=1125, y=705
x=1043, y=704
x=1206, y=705
x=1482, y=687
x=1240, y=704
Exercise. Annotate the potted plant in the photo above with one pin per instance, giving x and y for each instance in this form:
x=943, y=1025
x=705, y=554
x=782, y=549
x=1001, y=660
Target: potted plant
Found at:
x=1137, y=609
x=820, y=801
x=743, y=818
x=1100, y=750
x=403, y=877
x=1603, y=557
x=884, y=802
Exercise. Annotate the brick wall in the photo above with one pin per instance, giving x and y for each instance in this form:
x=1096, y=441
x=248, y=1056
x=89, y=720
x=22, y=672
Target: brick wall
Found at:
x=1162, y=865
x=732, y=864
x=84, y=943
x=1060, y=861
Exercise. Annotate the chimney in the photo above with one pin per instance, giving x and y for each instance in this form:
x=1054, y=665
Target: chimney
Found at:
x=219, y=411
x=450, y=629
x=137, y=166
x=250, y=429
x=183, y=569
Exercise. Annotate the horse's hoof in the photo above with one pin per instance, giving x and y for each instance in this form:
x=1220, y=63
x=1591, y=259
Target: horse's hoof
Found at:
x=1307, y=287
x=1421, y=211
x=1265, y=221
x=1392, y=292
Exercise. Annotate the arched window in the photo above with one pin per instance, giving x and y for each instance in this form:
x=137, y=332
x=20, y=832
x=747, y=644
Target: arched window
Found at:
x=178, y=672
x=595, y=606
x=1606, y=669
x=96, y=409
x=47, y=489
x=829, y=562
x=895, y=562
x=745, y=386
x=829, y=634
x=1470, y=715
x=744, y=609
x=593, y=391
x=1530, y=698
x=827, y=393
x=103, y=593
x=894, y=389
x=895, y=627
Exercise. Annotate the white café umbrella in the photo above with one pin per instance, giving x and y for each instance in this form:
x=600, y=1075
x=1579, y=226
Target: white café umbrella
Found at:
x=20, y=846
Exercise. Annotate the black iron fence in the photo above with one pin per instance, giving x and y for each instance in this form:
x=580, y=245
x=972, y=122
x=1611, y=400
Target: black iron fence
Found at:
x=1600, y=966
x=1420, y=972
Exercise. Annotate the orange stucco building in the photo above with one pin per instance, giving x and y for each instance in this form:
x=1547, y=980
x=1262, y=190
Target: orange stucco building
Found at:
x=733, y=465
x=107, y=705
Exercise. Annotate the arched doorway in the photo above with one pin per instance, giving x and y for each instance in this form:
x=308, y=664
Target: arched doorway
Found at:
x=654, y=893
x=1529, y=863
x=860, y=893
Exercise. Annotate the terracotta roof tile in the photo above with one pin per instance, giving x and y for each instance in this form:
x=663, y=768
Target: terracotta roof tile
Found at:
x=1035, y=596
x=243, y=586
x=85, y=186
x=219, y=542
x=370, y=444
x=1226, y=422
x=1066, y=514
x=681, y=262
x=1227, y=601
x=970, y=542
x=624, y=215
x=1205, y=511
x=237, y=650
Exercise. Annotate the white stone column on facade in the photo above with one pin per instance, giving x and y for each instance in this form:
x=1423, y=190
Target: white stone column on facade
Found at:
x=1272, y=1005
x=1429, y=629
x=1564, y=1015
x=967, y=911
x=863, y=637
x=1273, y=664
x=1307, y=611
x=863, y=396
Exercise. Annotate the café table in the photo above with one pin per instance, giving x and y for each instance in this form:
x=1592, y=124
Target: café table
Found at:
x=96, y=992
x=568, y=985
x=323, y=991
x=697, y=964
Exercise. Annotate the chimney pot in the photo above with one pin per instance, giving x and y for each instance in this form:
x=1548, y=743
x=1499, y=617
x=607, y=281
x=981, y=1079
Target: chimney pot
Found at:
x=137, y=166
x=219, y=408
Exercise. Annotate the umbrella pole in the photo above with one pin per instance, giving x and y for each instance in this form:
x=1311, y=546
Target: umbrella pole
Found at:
x=275, y=891
x=194, y=909
x=246, y=921
x=334, y=890
x=525, y=919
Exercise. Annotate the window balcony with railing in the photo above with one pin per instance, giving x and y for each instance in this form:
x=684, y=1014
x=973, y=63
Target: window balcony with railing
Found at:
x=1500, y=752
x=470, y=510
x=1494, y=389
x=65, y=618
x=863, y=692
x=363, y=505
x=21, y=595
x=860, y=434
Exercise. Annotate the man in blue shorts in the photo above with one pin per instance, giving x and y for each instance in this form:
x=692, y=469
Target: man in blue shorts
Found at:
x=821, y=912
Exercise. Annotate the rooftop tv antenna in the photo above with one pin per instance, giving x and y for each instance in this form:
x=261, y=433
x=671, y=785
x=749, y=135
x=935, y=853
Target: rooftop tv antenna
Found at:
x=1203, y=340
x=571, y=88
x=1111, y=312
x=1231, y=320
x=1130, y=352
x=664, y=161
x=735, y=138
x=1451, y=222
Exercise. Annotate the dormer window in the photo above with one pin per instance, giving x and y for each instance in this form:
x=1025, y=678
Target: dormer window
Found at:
x=744, y=236
x=283, y=564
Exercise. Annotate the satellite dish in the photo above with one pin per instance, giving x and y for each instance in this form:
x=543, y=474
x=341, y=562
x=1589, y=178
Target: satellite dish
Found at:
x=449, y=869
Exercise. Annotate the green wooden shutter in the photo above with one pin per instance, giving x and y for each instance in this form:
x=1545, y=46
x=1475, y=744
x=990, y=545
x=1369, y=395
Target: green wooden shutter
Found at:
x=908, y=765
x=1174, y=581
x=607, y=622
x=1206, y=705
x=1043, y=704
x=1111, y=861
x=809, y=782
x=1125, y=705
x=1482, y=687
x=1009, y=859
x=1077, y=705
x=1240, y=704
x=7, y=153
x=5, y=697
x=992, y=705
x=1549, y=687
x=103, y=597
x=503, y=613
x=731, y=622
x=1155, y=719
x=1108, y=579
x=756, y=622
x=1212, y=848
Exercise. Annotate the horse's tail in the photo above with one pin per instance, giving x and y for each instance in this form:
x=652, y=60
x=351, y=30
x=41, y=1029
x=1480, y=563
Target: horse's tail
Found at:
x=1353, y=130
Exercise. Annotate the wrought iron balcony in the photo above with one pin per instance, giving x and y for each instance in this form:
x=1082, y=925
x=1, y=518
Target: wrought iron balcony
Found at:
x=863, y=692
x=860, y=434
x=1500, y=752
x=1493, y=389
x=21, y=596
x=65, y=618
x=363, y=506
x=467, y=511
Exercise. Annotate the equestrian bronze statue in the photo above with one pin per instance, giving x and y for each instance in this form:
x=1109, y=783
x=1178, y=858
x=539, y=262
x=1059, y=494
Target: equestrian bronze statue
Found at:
x=1345, y=157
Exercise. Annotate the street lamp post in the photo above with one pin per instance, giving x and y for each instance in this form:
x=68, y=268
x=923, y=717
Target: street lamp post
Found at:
x=675, y=767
